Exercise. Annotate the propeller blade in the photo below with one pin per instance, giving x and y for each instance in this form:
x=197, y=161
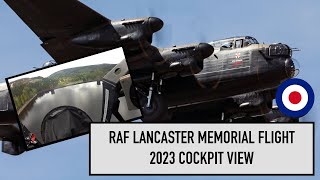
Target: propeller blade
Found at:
x=164, y=37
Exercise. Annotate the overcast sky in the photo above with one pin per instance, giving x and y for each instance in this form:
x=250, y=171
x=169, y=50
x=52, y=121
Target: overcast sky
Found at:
x=293, y=22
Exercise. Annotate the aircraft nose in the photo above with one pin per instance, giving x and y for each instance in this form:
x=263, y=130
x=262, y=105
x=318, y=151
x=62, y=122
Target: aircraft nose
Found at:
x=290, y=68
x=205, y=49
x=155, y=24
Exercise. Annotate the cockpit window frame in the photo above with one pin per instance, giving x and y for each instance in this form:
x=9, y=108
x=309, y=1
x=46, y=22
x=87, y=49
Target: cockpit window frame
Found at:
x=251, y=41
x=219, y=43
x=235, y=43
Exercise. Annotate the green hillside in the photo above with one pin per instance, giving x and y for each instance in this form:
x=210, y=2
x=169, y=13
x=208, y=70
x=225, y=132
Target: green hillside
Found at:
x=25, y=89
x=102, y=68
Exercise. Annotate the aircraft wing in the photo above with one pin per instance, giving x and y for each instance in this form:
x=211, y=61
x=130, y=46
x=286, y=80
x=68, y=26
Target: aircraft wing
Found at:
x=55, y=21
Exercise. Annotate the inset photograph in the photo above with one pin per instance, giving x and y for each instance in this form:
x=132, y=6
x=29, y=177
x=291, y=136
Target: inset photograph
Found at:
x=59, y=102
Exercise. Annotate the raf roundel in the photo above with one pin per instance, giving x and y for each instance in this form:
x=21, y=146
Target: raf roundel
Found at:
x=295, y=97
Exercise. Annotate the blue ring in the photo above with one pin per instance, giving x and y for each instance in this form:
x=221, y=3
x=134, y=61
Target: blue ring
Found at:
x=303, y=111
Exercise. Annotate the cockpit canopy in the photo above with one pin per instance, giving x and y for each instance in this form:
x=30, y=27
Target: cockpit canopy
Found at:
x=234, y=42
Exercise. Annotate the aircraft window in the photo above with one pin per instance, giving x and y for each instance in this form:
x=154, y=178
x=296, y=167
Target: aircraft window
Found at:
x=249, y=41
x=254, y=40
x=218, y=44
x=227, y=44
x=239, y=43
x=246, y=43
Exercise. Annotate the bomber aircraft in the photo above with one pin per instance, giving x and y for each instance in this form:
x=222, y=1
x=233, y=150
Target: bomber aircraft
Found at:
x=229, y=80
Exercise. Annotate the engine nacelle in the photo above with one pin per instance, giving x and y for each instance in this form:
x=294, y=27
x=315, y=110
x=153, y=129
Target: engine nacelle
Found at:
x=184, y=61
x=249, y=111
x=120, y=33
x=250, y=105
x=186, y=67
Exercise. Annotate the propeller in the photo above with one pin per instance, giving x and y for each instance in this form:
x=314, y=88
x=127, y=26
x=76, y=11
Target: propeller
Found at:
x=163, y=37
x=195, y=27
x=201, y=37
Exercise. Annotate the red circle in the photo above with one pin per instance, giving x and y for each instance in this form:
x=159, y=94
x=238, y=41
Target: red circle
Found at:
x=294, y=97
